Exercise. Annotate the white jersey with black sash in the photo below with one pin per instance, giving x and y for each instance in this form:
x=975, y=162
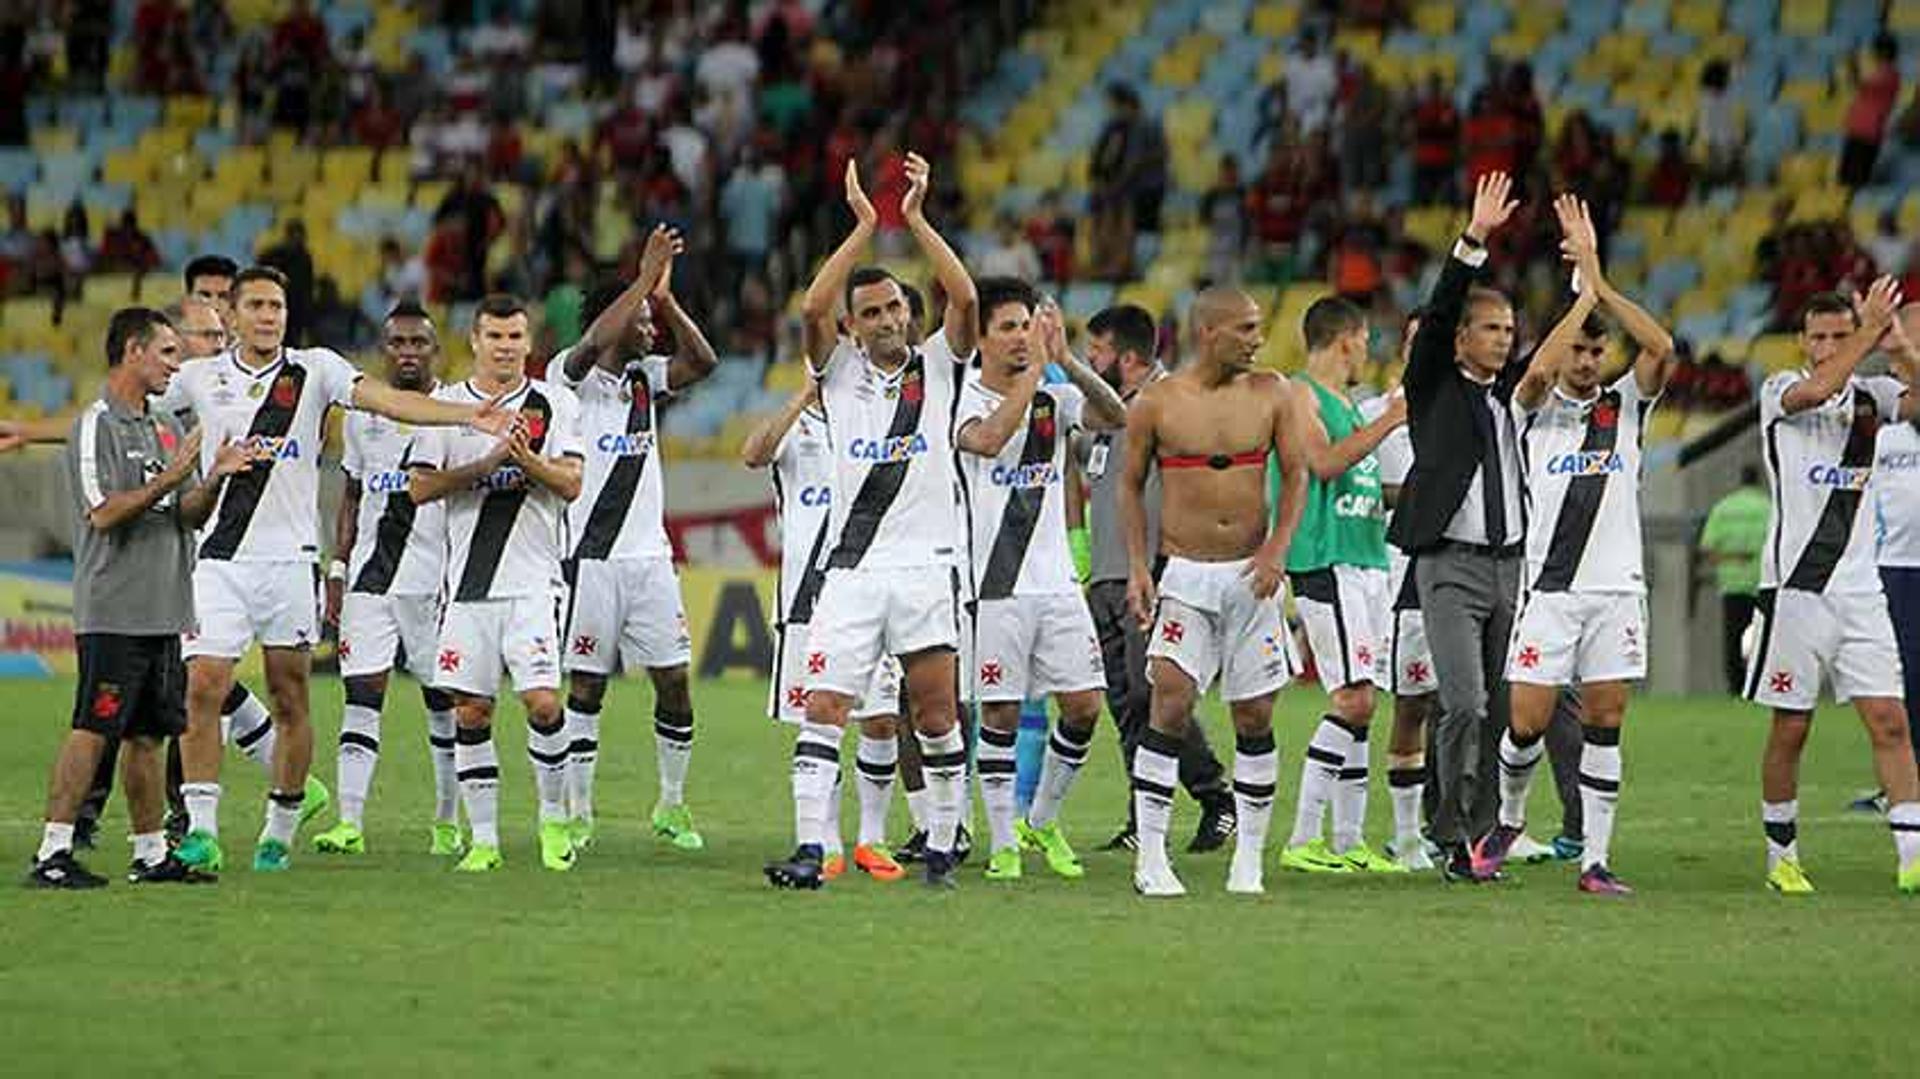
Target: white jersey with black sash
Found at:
x=621, y=511
x=1582, y=463
x=399, y=548
x=802, y=477
x=1016, y=499
x=1819, y=464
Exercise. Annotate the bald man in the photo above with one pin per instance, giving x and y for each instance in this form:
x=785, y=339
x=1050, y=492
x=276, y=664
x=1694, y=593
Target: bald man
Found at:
x=1211, y=592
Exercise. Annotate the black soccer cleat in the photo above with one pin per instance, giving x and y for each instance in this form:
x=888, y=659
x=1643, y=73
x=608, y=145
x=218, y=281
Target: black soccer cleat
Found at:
x=1125, y=839
x=168, y=870
x=940, y=867
x=86, y=830
x=914, y=850
x=60, y=870
x=1218, y=823
x=176, y=827
x=962, y=845
x=800, y=872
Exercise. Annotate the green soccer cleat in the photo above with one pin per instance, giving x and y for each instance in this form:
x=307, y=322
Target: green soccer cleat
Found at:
x=342, y=838
x=675, y=824
x=556, y=846
x=201, y=850
x=1787, y=878
x=315, y=801
x=1005, y=864
x=1313, y=857
x=1364, y=859
x=272, y=856
x=1052, y=842
x=480, y=860
x=446, y=842
x=581, y=831
x=1909, y=880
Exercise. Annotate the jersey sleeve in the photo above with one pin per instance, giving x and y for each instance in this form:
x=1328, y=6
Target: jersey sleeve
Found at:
x=353, y=458
x=1073, y=405
x=337, y=376
x=427, y=449
x=177, y=398
x=564, y=437
x=92, y=460
x=1886, y=393
x=974, y=404
x=656, y=369
x=1773, y=394
x=837, y=360
x=557, y=368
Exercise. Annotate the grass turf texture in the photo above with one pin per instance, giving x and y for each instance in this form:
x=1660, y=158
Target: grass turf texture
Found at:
x=648, y=959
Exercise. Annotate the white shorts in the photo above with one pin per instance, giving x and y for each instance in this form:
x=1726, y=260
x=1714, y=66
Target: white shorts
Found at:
x=1409, y=659
x=1560, y=638
x=1209, y=623
x=1802, y=635
x=864, y=614
x=376, y=630
x=1344, y=610
x=236, y=604
x=1030, y=646
x=787, y=699
x=480, y=638
x=625, y=614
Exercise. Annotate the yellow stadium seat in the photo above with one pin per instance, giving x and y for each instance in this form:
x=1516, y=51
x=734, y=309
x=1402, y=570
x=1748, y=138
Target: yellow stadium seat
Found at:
x=1804, y=18
x=190, y=112
x=1903, y=16
x=1776, y=352
x=1434, y=18
x=1275, y=19
x=1697, y=17
x=58, y=139
x=1272, y=66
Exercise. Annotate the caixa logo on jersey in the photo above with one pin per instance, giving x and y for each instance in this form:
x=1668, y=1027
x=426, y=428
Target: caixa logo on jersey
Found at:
x=1839, y=476
x=1586, y=463
x=881, y=450
x=505, y=478
x=1034, y=475
x=385, y=483
x=271, y=447
x=637, y=444
x=816, y=496
x=1356, y=505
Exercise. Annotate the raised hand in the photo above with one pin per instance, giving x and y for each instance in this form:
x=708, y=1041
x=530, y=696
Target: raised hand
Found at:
x=919, y=176
x=185, y=456
x=1881, y=304
x=493, y=419
x=1492, y=205
x=857, y=200
x=1051, y=327
x=663, y=243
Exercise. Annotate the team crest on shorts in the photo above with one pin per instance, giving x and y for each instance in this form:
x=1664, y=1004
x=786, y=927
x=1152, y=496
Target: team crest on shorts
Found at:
x=1173, y=632
x=584, y=645
x=796, y=697
x=106, y=700
x=1417, y=671
x=816, y=662
x=449, y=660
x=1780, y=682
x=344, y=649
x=991, y=674
x=1529, y=657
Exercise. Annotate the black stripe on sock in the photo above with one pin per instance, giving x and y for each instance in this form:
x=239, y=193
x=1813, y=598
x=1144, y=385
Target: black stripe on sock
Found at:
x=681, y=735
x=1002, y=739
x=1253, y=744
x=476, y=774
x=236, y=697
x=438, y=742
x=364, y=741
x=1604, y=786
x=879, y=773
x=552, y=760
x=956, y=759
x=1406, y=777
x=1782, y=832
x=816, y=751
x=1160, y=742
x=1349, y=775
x=1068, y=751
x=987, y=766
x=583, y=745
x=1522, y=741
x=252, y=737
x=1254, y=790
x=1903, y=826
x=286, y=800
x=473, y=736
x=1147, y=786
x=1325, y=757
x=1601, y=736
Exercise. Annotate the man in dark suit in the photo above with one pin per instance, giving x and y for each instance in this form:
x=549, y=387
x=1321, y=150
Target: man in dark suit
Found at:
x=1460, y=516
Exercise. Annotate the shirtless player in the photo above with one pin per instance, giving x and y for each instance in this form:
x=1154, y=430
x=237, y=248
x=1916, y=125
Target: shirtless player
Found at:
x=1215, y=606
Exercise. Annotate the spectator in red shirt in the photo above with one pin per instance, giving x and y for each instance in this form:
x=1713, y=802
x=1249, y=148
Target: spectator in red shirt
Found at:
x=446, y=260
x=1436, y=144
x=505, y=151
x=1873, y=104
x=156, y=23
x=1672, y=177
x=1050, y=231
x=1489, y=137
x=1522, y=107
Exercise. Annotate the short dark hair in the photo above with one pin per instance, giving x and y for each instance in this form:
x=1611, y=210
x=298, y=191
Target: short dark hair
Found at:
x=916, y=302
x=599, y=298
x=260, y=273
x=1826, y=303
x=997, y=292
x=208, y=266
x=499, y=305
x=131, y=325
x=1130, y=326
x=407, y=308
x=1595, y=326
x=1330, y=318
x=863, y=276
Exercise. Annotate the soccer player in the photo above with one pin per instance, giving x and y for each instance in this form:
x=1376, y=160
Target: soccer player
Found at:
x=894, y=525
x=1821, y=608
x=1337, y=566
x=793, y=444
x=131, y=471
x=1583, y=618
x=1033, y=634
x=1215, y=609
x=385, y=598
x=505, y=504
x=210, y=279
x=625, y=608
x=256, y=575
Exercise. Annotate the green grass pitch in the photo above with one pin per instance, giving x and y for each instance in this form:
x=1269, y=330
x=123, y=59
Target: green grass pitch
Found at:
x=652, y=962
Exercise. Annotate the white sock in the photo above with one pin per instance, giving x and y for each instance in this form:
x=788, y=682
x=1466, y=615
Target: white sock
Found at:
x=56, y=838
x=673, y=743
x=995, y=760
x=832, y=841
x=1599, y=792
x=1406, y=785
x=1350, y=796
x=477, y=763
x=917, y=808
x=283, y=815
x=1782, y=823
x=583, y=759
x=547, y=749
x=150, y=848
x=875, y=760
x=203, y=807
x=359, y=754
x=1066, y=753
x=1256, y=777
x=1156, y=773
x=446, y=778
x=251, y=728
x=1319, y=775
x=816, y=769
x=1516, y=777
x=943, y=760
x=1904, y=820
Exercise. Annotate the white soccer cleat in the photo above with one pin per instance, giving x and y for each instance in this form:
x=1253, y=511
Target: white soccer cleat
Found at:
x=1529, y=850
x=1155, y=880
x=1245, y=877
x=1414, y=857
